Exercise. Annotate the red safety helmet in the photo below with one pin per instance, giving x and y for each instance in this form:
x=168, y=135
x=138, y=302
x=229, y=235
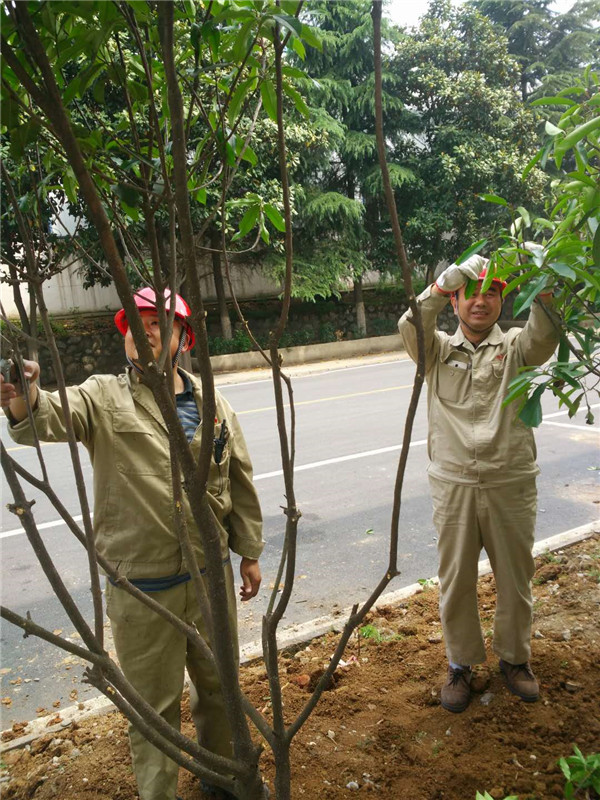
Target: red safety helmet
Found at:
x=145, y=300
x=498, y=281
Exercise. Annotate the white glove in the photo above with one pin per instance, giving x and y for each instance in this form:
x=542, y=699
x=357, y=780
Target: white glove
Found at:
x=456, y=275
x=536, y=250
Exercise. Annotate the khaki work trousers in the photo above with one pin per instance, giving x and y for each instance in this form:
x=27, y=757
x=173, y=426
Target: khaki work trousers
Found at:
x=500, y=520
x=153, y=655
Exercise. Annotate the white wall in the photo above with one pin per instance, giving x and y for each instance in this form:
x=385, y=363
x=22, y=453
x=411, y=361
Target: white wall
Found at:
x=65, y=295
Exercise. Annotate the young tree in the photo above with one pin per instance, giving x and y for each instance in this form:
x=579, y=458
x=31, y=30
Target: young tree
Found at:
x=148, y=54
x=148, y=168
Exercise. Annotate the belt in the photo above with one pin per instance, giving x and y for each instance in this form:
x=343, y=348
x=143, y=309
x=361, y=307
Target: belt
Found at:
x=160, y=584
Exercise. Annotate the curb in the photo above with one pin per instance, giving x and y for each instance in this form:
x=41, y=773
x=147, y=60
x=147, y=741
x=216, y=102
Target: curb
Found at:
x=305, y=354
x=301, y=633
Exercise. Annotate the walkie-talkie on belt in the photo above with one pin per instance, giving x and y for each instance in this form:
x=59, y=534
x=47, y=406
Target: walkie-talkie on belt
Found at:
x=220, y=442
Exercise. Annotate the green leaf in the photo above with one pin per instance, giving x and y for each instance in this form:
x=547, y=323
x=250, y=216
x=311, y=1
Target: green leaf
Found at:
x=22, y=136
x=269, y=98
x=297, y=98
x=72, y=90
x=298, y=48
x=230, y=154
x=596, y=248
x=553, y=101
x=552, y=130
x=580, y=132
x=515, y=282
x=249, y=220
x=274, y=216
x=98, y=92
x=293, y=72
x=531, y=413
x=475, y=248
x=238, y=97
x=493, y=198
x=562, y=269
x=564, y=353
x=129, y=195
x=525, y=214
x=528, y=294
x=517, y=388
x=210, y=34
x=311, y=38
x=246, y=152
x=70, y=186
x=291, y=23
x=290, y=6
x=242, y=41
x=537, y=157
x=200, y=196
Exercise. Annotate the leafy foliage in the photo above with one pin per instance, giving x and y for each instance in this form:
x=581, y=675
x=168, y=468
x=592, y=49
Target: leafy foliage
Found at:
x=581, y=772
x=470, y=132
x=339, y=200
x=550, y=47
x=559, y=251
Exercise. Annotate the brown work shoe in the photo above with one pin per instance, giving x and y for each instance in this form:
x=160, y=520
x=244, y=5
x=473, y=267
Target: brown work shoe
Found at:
x=456, y=692
x=520, y=680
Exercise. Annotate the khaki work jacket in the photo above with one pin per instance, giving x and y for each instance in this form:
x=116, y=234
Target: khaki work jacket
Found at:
x=472, y=439
x=118, y=421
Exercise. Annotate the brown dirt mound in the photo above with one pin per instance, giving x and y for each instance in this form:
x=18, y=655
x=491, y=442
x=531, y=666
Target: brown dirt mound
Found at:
x=380, y=729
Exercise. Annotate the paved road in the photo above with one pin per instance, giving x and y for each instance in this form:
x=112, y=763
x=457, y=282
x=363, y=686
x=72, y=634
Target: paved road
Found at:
x=350, y=424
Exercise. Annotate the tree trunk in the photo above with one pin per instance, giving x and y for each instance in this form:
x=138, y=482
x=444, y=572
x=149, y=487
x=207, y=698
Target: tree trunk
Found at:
x=359, y=305
x=283, y=774
x=215, y=243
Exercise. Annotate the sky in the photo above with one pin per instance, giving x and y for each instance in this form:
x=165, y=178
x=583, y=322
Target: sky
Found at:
x=408, y=12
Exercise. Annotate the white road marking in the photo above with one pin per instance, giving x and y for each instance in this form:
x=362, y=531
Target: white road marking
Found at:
x=351, y=457
x=41, y=527
x=584, y=428
x=566, y=411
x=262, y=476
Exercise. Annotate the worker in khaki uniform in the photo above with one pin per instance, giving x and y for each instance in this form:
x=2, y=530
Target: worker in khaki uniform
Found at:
x=118, y=421
x=482, y=471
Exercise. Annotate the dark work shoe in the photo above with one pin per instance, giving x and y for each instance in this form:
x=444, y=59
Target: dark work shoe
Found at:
x=520, y=680
x=456, y=692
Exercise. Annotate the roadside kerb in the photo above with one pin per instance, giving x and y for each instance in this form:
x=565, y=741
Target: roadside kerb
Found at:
x=304, y=354
x=301, y=633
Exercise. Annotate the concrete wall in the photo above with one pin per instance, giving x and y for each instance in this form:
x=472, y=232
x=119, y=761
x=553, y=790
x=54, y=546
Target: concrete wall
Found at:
x=65, y=295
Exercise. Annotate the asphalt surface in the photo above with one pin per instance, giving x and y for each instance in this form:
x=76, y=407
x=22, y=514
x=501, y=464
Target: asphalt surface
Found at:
x=350, y=419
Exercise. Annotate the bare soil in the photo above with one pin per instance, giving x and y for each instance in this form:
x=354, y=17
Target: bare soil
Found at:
x=380, y=729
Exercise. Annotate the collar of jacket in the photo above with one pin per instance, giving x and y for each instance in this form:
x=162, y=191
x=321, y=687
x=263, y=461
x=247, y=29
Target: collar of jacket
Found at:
x=494, y=337
x=142, y=394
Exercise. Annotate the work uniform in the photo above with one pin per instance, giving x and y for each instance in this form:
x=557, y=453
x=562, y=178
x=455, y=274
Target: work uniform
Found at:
x=482, y=475
x=118, y=421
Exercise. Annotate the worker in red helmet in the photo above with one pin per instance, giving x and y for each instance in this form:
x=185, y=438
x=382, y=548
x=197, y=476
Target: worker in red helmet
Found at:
x=118, y=420
x=482, y=470
x=145, y=300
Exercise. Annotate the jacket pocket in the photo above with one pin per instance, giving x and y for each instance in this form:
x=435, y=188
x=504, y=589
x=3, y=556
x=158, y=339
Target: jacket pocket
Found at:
x=139, y=448
x=453, y=383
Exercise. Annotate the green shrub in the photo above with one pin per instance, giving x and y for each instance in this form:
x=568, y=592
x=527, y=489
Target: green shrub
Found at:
x=581, y=772
x=383, y=327
x=327, y=332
